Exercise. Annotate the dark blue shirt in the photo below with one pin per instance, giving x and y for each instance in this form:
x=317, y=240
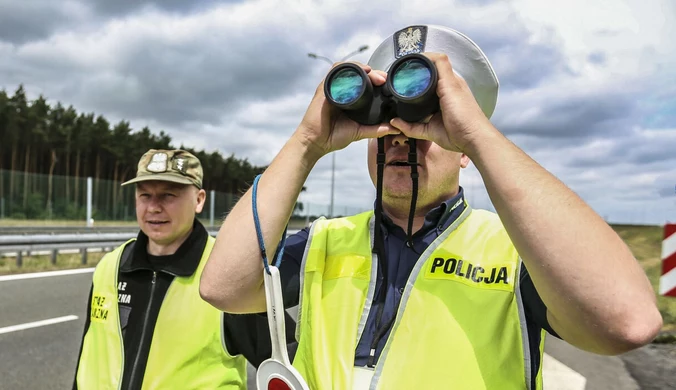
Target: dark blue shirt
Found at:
x=400, y=260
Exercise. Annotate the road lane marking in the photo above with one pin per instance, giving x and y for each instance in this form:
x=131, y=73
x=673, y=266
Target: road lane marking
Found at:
x=558, y=376
x=36, y=324
x=45, y=274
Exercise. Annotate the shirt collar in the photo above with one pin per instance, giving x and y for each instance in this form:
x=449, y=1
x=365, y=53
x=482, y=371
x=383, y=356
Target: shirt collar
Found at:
x=439, y=217
x=452, y=208
x=182, y=263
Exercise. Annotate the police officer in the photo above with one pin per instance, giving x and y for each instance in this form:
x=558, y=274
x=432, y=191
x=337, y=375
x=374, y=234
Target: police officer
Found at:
x=147, y=326
x=465, y=301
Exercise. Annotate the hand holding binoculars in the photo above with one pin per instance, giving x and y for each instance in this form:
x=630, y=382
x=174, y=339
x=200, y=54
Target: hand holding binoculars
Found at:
x=409, y=91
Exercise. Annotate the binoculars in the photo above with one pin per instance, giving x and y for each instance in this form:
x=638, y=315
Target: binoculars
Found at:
x=409, y=92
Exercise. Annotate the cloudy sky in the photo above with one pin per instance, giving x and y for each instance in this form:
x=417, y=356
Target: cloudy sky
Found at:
x=587, y=87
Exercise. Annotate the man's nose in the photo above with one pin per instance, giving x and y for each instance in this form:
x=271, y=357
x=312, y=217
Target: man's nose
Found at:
x=154, y=205
x=399, y=140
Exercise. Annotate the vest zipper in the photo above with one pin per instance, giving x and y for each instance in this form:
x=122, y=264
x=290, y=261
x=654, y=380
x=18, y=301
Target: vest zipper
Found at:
x=144, y=331
x=409, y=286
x=381, y=331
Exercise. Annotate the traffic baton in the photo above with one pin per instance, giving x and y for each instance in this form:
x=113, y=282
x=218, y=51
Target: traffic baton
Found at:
x=277, y=373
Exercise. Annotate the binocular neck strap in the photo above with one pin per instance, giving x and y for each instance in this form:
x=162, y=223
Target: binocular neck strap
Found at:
x=413, y=162
x=378, y=248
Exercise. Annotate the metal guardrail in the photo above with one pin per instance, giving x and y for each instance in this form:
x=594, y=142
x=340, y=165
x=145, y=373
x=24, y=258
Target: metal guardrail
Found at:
x=52, y=230
x=32, y=230
x=20, y=245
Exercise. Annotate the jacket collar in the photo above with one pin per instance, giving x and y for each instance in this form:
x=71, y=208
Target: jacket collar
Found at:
x=182, y=263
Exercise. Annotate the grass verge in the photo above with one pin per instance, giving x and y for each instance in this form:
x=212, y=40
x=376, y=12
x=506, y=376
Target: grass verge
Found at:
x=43, y=263
x=645, y=243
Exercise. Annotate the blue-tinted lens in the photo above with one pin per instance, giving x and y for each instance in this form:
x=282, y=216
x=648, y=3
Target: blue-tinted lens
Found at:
x=411, y=78
x=346, y=86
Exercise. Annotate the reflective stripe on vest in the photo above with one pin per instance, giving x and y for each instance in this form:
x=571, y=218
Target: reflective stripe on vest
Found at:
x=460, y=323
x=187, y=349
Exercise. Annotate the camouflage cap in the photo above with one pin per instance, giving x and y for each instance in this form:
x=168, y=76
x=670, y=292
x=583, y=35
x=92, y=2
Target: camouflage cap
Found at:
x=176, y=166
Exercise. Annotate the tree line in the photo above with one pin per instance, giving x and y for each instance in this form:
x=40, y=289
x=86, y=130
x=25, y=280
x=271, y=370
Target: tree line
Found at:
x=54, y=140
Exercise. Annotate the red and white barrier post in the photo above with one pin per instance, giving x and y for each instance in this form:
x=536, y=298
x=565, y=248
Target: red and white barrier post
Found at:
x=668, y=278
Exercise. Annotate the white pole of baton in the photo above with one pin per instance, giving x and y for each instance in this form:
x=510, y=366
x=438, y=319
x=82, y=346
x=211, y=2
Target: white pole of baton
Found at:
x=277, y=372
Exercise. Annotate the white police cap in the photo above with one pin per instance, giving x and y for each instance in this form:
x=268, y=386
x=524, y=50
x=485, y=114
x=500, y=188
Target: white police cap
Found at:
x=466, y=58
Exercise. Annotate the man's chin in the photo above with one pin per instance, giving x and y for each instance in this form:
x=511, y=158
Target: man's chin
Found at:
x=398, y=188
x=397, y=194
x=160, y=238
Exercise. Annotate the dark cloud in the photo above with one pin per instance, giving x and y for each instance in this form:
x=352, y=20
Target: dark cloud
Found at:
x=659, y=150
x=29, y=20
x=25, y=21
x=202, y=79
x=521, y=65
x=106, y=8
x=643, y=150
x=569, y=115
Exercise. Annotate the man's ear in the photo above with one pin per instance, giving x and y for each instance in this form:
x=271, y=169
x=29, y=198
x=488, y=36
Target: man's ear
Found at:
x=464, y=161
x=201, y=198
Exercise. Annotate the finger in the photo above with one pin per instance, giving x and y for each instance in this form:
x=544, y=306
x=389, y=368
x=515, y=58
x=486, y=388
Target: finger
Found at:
x=440, y=61
x=444, y=68
x=417, y=130
x=401, y=124
x=411, y=130
x=378, y=77
x=376, y=131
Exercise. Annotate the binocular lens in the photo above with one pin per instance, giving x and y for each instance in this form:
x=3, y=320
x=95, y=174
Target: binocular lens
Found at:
x=411, y=78
x=346, y=86
x=409, y=91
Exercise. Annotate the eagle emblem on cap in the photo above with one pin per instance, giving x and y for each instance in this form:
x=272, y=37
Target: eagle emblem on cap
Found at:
x=158, y=163
x=410, y=40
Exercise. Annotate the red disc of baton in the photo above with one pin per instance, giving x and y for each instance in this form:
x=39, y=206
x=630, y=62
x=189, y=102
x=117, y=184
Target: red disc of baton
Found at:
x=278, y=384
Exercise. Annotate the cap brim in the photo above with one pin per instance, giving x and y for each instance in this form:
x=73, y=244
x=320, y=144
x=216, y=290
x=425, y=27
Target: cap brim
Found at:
x=159, y=177
x=465, y=56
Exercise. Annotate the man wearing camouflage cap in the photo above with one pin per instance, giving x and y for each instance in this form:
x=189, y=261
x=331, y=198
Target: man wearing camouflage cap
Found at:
x=147, y=326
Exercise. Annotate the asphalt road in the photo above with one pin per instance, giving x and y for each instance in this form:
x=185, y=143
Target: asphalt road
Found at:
x=600, y=372
x=45, y=357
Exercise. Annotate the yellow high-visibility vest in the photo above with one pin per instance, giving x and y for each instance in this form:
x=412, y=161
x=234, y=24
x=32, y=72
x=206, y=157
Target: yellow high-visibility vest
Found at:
x=187, y=349
x=460, y=323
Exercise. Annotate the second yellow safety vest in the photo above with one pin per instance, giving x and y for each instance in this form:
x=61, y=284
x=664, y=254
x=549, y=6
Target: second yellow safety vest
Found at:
x=187, y=349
